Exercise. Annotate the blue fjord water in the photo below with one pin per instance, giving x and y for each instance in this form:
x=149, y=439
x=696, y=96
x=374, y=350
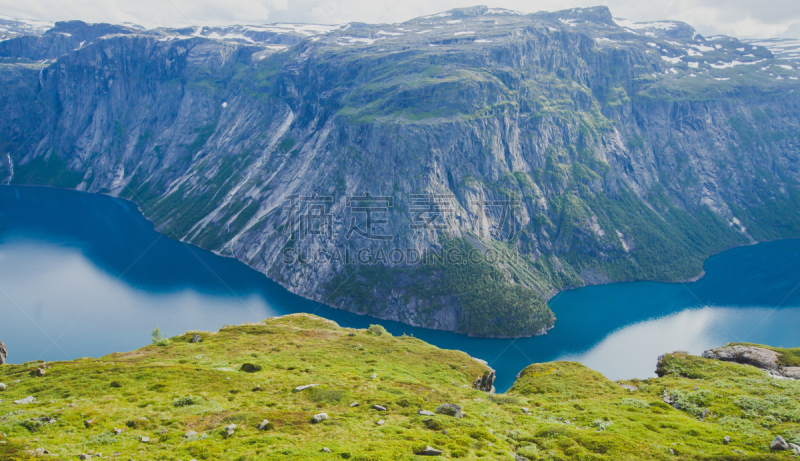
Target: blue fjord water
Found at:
x=86, y=275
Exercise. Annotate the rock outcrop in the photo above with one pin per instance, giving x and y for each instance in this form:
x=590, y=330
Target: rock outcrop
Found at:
x=485, y=383
x=3, y=353
x=759, y=357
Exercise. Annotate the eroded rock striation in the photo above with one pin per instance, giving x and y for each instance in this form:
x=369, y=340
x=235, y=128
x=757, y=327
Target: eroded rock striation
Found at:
x=759, y=357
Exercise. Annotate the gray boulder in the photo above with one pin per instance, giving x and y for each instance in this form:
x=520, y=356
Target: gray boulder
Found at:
x=3, y=353
x=450, y=409
x=319, y=418
x=229, y=431
x=726, y=440
x=791, y=372
x=379, y=407
x=779, y=444
x=189, y=434
x=795, y=448
x=755, y=356
x=264, y=425
x=195, y=339
x=425, y=413
x=2, y=387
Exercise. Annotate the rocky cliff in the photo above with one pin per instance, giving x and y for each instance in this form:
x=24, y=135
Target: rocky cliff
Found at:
x=453, y=171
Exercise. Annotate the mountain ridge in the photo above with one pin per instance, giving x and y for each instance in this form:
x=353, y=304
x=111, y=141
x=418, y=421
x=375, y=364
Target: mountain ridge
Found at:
x=560, y=149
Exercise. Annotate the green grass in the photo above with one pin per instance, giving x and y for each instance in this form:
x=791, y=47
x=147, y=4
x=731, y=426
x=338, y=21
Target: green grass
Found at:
x=573, y=413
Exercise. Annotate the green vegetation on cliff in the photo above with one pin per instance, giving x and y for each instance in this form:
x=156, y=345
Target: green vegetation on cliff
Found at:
x=182, y=395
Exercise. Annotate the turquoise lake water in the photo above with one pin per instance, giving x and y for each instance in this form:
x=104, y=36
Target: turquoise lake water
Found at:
x=86, y=275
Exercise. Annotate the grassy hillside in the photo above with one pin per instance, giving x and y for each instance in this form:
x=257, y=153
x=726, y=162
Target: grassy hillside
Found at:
x=555, y=411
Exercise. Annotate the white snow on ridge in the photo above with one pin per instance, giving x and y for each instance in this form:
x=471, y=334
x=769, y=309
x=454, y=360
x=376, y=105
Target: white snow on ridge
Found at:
x=663, y=25
x=464, y=32
x=671, y=60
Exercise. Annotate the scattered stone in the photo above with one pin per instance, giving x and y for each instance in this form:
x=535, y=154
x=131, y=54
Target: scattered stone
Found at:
x=485, y=383
x=195, y=339
x=425, y=413
x=2, y=387
x=326, y=450
x=381, y=422
x=450, y=409
x=525, y=410
x=229, y=430
x=491, y=431
x=250, y=367
x=430, y=451
x=726, y=440
x=88, y=423
x=145, y=439
x=779, y=444
x=189, y=434
x=82, y=456
x=257, y=388
x=118, y=431
x=3, y=353
x=705, y=413
x=265, y=425
x=25, y=401
x=671, y=451
x=629, y=387
x=373, y=375
x=37, y=373
x=319, y=418
x=353, y=404
x=379, y=407
x=302, y=388
x=795, y=448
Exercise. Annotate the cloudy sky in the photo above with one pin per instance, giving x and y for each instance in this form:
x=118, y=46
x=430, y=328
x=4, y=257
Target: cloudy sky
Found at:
x=742, y=18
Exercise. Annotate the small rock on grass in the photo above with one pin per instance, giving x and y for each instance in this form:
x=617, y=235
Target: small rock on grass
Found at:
x=326, y=449
x=2, y=387
x=379, y=407
x=265, y=425
x=373, y=375
x=302, y=388
x=319, y=418
x=425, y=413
x=779, y=444
x=25, y=401
x=726, y=440
x=430, y=451
x=354, y=404
x=195, y=339
x=381, y=422
x=450, y=409
x=795, y=448
x=229, y=430
x=145, y=439
x=189, y=434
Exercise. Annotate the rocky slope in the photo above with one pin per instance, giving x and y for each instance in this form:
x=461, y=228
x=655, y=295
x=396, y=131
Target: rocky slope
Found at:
x=303, y=388
x=453, y=171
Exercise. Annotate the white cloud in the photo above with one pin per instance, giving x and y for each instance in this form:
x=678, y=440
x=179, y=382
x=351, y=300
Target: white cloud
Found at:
x=743, y=18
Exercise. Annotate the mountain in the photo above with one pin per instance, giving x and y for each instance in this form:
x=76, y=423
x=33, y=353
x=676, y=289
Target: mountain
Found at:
x=454, y=171
x=253, y=391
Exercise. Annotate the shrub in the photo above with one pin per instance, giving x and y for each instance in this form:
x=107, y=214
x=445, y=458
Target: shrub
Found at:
x=158, y=338
x=635, y=403
x=250, y=367
x=186, y=401
x=601, y=425
x=529, y=451
x=378, y=330
x=332, y=396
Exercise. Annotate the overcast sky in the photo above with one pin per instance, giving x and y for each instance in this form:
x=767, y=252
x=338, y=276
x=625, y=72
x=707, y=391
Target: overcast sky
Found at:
x=742, y=18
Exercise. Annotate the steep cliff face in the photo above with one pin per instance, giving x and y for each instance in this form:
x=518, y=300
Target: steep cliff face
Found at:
x=453, y=171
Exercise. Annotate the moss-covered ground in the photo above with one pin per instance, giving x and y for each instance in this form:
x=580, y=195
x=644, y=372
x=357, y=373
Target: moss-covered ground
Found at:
x=555, y=411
